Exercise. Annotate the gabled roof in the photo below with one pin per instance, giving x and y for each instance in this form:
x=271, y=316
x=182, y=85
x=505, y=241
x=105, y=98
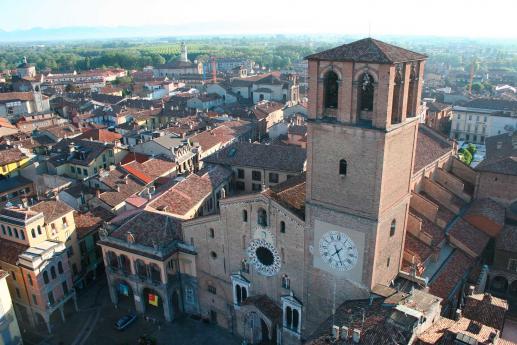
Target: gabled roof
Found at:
x=368, y=50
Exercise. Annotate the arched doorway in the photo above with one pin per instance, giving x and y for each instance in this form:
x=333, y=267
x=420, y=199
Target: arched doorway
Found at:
x=125, y=295
x=267, y=336
x=153, y=303
x=499, y=285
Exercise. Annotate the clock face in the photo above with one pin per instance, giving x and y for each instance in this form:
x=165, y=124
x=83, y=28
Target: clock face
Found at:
x=338, y=251
x=264, y=257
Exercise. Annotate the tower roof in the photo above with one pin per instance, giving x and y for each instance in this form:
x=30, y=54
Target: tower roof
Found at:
x=368, y=50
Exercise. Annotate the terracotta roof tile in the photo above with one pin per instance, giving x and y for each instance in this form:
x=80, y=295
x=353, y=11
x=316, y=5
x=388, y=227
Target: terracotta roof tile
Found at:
x=453, y=271
x=368, y=50
x=101, y=135
x=183, y=196
x=429, y=147
x=270, y=157
x=487, y=309
x=474, y=240
x=290, y=194
x=52, y=209
x=11, y=156
x=9, y=251
x=90, y=221
x=150, y=229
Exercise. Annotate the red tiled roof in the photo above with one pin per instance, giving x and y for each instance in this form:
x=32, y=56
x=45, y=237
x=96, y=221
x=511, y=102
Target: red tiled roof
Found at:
x=487, y=309
x=11, y=156
x=100, y=135
x=463, y=234
x=183, y=196
x=450, y=275
x=52, y=209
x=290, y=194
x=90, y=221
x=9, y=251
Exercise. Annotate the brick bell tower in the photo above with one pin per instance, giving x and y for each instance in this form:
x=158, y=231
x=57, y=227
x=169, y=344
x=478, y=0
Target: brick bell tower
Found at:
x=362, y=129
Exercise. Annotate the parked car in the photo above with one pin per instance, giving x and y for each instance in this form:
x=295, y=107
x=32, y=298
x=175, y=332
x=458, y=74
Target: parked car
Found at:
x=125, y=321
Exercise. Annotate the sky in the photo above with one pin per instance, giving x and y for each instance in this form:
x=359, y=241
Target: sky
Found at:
x=459, y=18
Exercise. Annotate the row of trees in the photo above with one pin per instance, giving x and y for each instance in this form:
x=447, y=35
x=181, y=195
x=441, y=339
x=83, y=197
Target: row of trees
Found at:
x=65, y=58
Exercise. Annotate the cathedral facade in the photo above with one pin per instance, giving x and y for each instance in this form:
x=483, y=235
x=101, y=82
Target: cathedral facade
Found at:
x=272, y=266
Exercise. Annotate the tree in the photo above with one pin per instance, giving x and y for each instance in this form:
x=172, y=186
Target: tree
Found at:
x=465, y=156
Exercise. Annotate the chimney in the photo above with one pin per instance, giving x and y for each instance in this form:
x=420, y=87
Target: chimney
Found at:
x=118, y=188
x=457, y=314
x=98, y=193
x=471, y=290
x=356, y=336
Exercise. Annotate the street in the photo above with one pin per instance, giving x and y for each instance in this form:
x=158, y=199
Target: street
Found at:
x=94, y=324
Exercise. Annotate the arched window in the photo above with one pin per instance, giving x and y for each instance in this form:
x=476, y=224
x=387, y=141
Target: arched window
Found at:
x=244, y=215
x=141, y=269
x=213, y=255
x=282, y=227
x=331, y=90
x=45, y=277
x=155, y=272
x=9, y=230
x=262, y=217
x=39, y=230
x=292, y=318
x=366, y=93
x=3, y=230
x=60, y=267
x=53, y=272
x=296, y=318
x=33, y=233
x=393, y=227
x=112, y=260
x=412, y=90
x=241, y=293
x=343, y=165
x=16, y=233
x=395, y=104
x=125, y=264
x=22, y=234
x=289, y=317
x=212, y=232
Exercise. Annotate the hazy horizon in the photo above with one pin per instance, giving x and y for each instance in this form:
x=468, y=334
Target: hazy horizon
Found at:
x=441, y=18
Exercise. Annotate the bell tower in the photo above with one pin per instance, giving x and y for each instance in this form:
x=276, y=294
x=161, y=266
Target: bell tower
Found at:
x=362, y=128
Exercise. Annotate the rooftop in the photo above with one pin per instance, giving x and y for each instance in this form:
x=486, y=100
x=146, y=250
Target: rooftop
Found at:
x=368, y=50
x=269, y=157
x=290, y=194
x=51, y=209
x=429, y=147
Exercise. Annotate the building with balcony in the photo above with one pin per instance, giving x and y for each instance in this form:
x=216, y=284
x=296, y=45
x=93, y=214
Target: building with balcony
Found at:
x=149, y=266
